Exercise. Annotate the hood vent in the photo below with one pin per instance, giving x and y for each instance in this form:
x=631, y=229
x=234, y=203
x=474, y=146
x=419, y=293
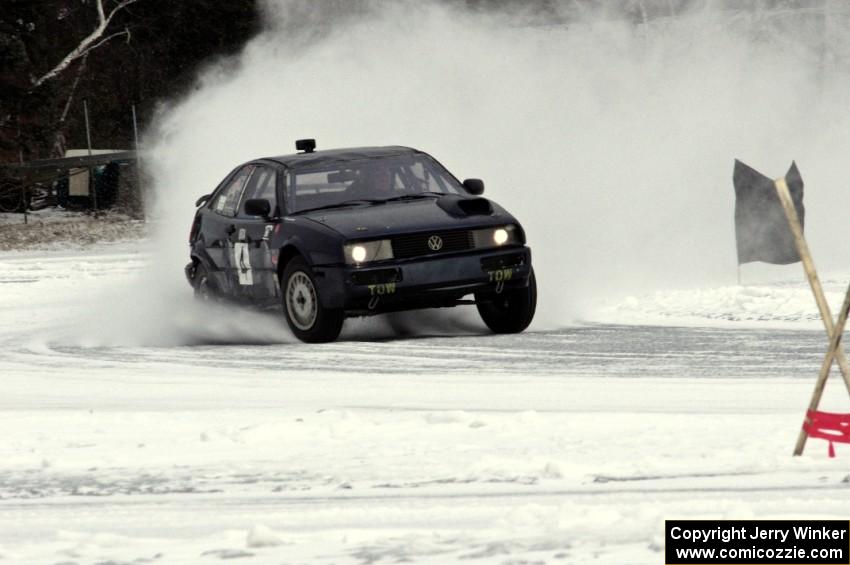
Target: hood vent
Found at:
x=460, y=207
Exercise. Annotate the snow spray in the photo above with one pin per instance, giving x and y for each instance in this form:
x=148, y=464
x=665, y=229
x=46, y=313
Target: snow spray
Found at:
x=610, y=133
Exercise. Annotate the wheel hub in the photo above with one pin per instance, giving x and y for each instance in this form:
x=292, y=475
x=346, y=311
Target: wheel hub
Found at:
x=301, y=301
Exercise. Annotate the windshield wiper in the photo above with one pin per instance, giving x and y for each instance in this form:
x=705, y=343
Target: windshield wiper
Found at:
x=429, y=194
x=339, y=205
x=416, y=196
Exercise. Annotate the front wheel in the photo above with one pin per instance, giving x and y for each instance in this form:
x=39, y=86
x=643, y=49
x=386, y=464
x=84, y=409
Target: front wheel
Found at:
x=307, y=318
x=510, y=311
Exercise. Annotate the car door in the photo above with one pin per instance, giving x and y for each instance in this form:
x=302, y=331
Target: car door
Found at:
x=218, y=226
x=254, y=274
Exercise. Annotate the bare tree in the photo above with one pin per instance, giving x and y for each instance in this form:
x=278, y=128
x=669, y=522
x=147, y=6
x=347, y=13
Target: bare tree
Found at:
x=92, y=41
x=59, y=135
x=45, y=42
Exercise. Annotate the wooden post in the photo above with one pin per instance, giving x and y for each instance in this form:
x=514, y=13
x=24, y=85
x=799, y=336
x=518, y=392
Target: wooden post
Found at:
x=834, y=346
x=811, y=273
x=820, y=299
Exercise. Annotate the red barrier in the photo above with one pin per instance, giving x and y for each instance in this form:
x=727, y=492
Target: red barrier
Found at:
x=828, y=426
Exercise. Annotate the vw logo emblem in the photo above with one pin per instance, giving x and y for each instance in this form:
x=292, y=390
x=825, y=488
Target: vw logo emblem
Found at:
x=435, y=243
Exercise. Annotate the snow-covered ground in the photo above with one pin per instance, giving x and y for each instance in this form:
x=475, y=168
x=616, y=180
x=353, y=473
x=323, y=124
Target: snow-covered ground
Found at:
x=779, y=304
x=55, y=228
x=137, y=434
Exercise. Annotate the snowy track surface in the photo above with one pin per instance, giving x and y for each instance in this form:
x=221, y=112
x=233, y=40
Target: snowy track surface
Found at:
x=176, y=442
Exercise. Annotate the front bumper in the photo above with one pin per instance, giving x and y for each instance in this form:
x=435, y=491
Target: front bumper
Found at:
x=422, y=282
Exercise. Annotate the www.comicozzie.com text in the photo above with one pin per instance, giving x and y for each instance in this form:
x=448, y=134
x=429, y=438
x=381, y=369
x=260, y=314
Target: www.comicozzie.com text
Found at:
x=727, y=534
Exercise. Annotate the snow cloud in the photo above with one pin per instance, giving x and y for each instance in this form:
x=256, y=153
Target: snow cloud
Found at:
x=610, y=134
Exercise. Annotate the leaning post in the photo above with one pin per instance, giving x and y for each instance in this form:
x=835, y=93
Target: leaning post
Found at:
x=834, y=345
x=820, y=299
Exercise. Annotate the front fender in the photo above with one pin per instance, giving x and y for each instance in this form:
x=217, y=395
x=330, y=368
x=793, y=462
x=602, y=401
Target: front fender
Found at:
x=316, y=242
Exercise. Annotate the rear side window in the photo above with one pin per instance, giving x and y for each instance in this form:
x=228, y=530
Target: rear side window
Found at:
x=228, y=199
x=263, y=184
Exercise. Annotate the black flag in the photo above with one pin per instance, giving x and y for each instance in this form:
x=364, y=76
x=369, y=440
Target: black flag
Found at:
x=761, y=228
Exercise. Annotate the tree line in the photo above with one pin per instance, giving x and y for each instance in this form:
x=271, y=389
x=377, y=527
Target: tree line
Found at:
x=115, y=54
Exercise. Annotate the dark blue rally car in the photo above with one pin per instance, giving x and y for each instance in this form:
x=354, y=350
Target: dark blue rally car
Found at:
x=355, y=232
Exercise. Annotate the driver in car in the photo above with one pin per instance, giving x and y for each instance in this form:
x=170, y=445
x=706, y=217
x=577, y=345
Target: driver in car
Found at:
x=372, y=183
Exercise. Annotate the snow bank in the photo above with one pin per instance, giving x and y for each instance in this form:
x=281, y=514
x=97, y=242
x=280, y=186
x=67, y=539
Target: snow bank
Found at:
x=263, y=536
x=60, y=229
x=788, y=303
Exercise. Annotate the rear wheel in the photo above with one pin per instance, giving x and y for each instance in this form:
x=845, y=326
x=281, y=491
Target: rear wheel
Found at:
x=302, y=305
x=510, y=311
x=12, y=198
x=205, y=290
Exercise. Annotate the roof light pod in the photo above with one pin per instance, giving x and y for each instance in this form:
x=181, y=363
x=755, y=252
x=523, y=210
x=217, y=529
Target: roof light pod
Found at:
x=305, y=145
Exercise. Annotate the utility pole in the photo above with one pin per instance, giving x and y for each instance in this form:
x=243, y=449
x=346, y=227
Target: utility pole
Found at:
x=23, y=188
x=139, y=190
x=92, y=185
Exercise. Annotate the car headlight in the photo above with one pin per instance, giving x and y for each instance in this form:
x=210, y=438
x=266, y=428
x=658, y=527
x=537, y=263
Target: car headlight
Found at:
x=366, y=251
x=495, y=237
x=500, y=236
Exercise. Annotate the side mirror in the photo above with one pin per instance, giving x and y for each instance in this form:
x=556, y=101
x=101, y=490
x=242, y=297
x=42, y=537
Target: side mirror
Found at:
x=474, y=186
x=202, y=200
x=258, y=207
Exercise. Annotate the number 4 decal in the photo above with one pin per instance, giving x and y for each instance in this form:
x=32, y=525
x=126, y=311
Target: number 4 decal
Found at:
x=242, y=260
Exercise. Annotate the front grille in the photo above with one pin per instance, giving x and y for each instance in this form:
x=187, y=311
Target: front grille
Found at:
x=415, y=245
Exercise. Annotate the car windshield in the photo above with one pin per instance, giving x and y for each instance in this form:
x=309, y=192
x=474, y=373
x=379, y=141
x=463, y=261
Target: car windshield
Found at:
x=368, y=181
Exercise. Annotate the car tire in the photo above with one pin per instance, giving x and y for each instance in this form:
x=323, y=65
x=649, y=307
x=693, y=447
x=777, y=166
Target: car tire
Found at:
x=510, y=311
x=203, y=285
x=12, y=198
x=302, y=305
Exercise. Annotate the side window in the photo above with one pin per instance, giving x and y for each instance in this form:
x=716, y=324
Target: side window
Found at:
x=263, y=184
x=227, y=200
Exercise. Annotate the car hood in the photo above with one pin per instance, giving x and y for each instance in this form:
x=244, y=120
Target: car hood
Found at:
x=392, y=218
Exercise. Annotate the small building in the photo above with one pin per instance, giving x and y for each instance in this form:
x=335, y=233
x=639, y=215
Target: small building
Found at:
x=100, y=179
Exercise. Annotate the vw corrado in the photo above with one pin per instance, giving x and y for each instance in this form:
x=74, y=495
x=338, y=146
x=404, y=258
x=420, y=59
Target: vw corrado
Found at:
x=355, y=232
